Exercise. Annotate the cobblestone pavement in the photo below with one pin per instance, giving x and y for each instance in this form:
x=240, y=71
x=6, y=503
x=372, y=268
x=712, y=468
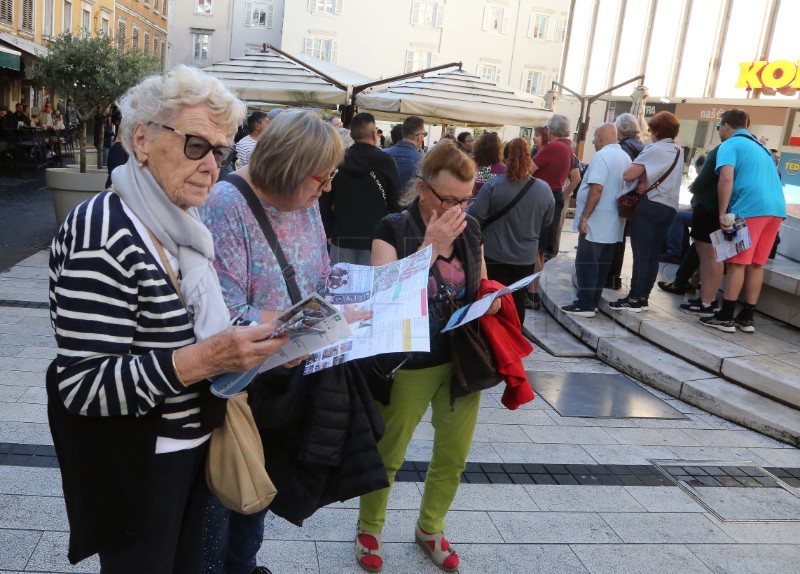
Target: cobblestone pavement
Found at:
x=542, y=492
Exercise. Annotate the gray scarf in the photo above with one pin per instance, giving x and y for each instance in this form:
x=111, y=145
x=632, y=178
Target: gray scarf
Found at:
x=182, y=234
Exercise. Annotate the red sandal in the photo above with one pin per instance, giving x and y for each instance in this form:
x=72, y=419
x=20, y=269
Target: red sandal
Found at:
x=369, y=550
x=438, y=549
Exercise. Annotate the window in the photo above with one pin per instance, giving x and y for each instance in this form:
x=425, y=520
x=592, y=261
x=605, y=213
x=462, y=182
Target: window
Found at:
x=537, y=27
x=155, y=45
x=26, y=23
x=489, y=72
x=104, y=26
x=48, y=28
x=200, y=43
x=419, y=60
x=155, y=5
x=429, y=14
x=164, y=7
x=322, y=48
x=7, y=11
x=494, y=19
x=561, y=30
x=163, y=58
x=203, y=7
x=534, y=83
x=67, y=23
x=86, y=21
x=146, y=46
x=258, y=14
x=121, y=34
x=325, y=6
x=135, y=38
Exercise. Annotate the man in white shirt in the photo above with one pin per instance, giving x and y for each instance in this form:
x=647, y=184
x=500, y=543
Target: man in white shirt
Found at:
x=597, y=219
x=257, y=121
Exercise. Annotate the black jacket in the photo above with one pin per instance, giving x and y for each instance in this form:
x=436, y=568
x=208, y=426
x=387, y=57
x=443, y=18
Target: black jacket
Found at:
x=320, y=434
x=366, y=188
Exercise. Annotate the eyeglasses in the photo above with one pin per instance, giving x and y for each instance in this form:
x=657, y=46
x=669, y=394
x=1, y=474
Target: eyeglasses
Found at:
x=324, y=180
x=719, y=126
x=197, y=147
x=448, y=202
x=425, y=134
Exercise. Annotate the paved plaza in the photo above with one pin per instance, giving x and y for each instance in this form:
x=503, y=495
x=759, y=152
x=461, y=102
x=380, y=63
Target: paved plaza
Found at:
x=542, y=493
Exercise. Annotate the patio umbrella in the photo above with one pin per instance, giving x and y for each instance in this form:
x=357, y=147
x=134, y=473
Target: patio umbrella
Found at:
x=275, y=77
x=453, y=97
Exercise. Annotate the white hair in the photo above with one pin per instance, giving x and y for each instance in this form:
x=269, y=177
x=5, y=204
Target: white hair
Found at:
x=627, y=125
x=160, y=99
x=558, y=125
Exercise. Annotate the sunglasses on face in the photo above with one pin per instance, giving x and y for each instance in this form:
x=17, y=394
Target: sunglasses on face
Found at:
x=448, y=202
x=324, y=180
x=197, y=147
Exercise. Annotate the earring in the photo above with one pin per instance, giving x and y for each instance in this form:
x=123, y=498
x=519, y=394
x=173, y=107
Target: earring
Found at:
x=140, y=164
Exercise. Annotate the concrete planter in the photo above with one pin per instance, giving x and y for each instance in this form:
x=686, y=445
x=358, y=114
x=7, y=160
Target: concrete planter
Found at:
x=70, y=188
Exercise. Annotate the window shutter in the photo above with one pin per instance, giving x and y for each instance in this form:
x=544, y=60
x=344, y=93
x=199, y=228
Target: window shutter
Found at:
x=309, y=49
x=312, y=5
x=498, y=73
x=248, y=13
x=334, y=52
x=270, y=15
x=504, y=23
x=409, y=61
x=531, y=25
x=440, y=15
x=415, y=13
x=337, y=9
x=434, y=59
x=485, y=18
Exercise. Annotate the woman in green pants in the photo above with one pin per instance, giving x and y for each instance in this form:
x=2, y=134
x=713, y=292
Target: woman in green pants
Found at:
x=437, y=218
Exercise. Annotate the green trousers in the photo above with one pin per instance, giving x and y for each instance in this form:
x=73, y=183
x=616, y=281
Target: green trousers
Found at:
x=412, y=392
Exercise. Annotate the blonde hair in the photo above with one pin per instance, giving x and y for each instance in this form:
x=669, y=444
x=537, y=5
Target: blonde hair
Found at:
x=160, y=99
x=294, y=145
x=441, y=158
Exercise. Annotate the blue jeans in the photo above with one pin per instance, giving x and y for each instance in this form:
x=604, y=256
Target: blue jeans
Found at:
x=592, y=262
x=231, y=540
x=677, y=232
x=648, y=230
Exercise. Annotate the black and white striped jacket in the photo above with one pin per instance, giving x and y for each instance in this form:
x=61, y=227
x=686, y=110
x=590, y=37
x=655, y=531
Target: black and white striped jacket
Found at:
x=117, y=320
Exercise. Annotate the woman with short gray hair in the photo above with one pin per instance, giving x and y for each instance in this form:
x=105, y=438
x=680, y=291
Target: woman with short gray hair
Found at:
x=129, y=404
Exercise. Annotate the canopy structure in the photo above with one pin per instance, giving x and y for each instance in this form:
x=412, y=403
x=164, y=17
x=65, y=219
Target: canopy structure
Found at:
x=274, y=77
x=453, y=97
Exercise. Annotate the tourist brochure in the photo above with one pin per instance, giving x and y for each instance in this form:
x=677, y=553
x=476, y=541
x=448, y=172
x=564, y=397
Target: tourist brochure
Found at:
x=479, y=308
x=363, y=311
x=728, y=244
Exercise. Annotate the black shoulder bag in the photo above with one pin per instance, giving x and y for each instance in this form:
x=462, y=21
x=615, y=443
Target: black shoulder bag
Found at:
x=491, y=219
x=474, y=367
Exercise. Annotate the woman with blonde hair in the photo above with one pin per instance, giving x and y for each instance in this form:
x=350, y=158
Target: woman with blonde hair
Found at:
x=437, y=218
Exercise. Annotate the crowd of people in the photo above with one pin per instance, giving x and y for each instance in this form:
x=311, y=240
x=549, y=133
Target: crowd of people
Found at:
x=174, y=275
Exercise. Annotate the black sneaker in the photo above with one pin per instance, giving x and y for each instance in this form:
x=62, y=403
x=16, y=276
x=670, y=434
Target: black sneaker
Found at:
x=645, y=304
x=745, y=325
x=672, y=287
x=532, y=301
x=632, y=305
x=696, y=307
x=574, y=309
x=723, y=325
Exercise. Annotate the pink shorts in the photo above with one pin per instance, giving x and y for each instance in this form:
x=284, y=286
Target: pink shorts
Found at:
x=763, y=231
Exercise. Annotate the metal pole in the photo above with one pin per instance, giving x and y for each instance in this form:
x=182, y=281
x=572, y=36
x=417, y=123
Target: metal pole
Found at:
x=612, y=65
x=680, y=49
x=567, y=36
x=648, y=36
x=587, y=58
x=719, y=46
x=766, y=39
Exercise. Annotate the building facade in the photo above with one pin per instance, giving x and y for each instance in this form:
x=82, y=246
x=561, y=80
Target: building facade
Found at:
x=200, y=32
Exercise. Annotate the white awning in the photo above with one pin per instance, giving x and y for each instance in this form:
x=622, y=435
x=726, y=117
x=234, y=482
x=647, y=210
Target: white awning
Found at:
x=454, y=96
x=271, y=77
x=36, y=50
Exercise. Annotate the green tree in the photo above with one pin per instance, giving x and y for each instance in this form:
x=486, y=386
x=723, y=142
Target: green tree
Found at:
x=91, y=72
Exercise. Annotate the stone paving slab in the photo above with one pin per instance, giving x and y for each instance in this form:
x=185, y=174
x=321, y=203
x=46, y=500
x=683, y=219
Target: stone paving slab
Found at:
x=736, y=559
x=630, y=559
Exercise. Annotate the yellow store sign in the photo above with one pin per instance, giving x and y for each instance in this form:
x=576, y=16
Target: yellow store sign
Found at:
x=776, y=75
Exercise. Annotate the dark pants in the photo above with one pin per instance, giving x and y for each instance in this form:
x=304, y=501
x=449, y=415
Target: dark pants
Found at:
x=547, y=238
x=592, y=262
x=690, y=263
x=171, y=544
x=678, y=234
x=648, y=230
x=619, y=254
x=507, y=274
x=232, y=540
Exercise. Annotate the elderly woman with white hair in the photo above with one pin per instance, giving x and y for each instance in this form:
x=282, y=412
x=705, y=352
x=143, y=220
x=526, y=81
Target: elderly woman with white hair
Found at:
x=141, y=325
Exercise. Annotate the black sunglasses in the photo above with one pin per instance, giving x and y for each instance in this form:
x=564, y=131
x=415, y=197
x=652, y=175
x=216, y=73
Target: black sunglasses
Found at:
x=197, y=147
x=448, y=202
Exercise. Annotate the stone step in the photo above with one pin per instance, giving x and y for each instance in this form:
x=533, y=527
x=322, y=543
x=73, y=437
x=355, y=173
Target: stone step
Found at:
x=543, y=330
x=679, y=361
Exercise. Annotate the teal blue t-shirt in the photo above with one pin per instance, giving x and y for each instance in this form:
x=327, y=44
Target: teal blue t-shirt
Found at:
x=757, y=189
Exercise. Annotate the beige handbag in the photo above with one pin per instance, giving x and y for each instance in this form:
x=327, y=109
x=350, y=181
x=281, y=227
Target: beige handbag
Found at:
x=235, y=470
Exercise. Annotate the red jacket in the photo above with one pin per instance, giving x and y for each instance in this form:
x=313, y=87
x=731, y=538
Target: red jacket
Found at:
x=509, y=347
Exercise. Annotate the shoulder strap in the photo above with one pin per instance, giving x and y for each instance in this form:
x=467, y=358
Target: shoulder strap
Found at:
x=665, y=175
x=510, y=206
x=266, y=227
x=380, y=187
x=754, y=139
